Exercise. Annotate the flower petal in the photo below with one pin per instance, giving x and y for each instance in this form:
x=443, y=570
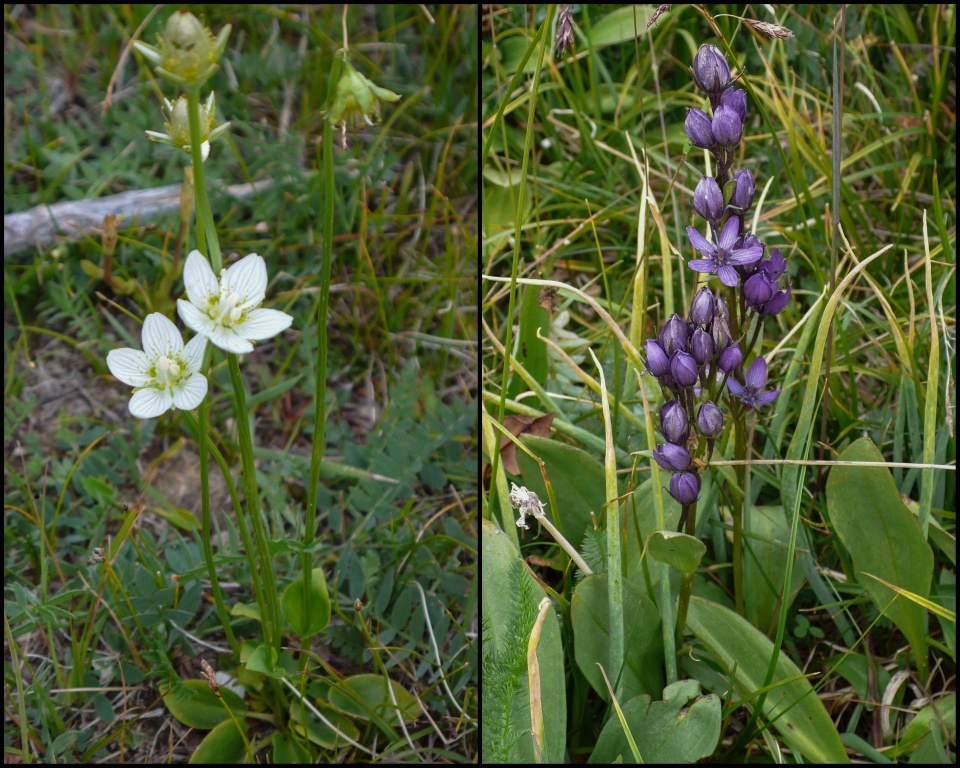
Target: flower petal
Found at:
x=193, y=353
x=263, y=324
x=228, y=341
x=728, y=275
x=195, y=319
x=757, y=374
x=735, y=388
x=130, y=366
x=701, y=243
x=150, y=402
x=729, y=234
x=247, y=278
x=702, y=265
x=199, y=280
x=190, y=391
x=745, y=255
x=161, y=337
x=766, y=397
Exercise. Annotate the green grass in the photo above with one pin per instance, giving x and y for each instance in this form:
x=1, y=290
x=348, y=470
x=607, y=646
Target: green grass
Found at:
x=566, y=165
x=92, y=648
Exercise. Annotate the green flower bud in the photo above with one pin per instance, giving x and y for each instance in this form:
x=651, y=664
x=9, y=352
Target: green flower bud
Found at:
x=187, y=53
x=356, y=101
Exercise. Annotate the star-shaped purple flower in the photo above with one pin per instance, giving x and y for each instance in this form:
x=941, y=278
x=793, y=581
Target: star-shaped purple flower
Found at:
x=751, y=393
x=722, y=257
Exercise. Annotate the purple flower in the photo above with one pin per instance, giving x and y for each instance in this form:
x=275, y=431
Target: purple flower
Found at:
x=711, y=72
x=699, y=129
x=708, y=200
x=743, y=194
x=762, y=290
x=685, y=487
x=684, y=369
x=673, y=422
x=701, y=346
x=722, y=258
x=727, y=127
x=758, y=290
x=703, y=308
x=657, y=361
x=774, y=266
x=672, y=457
x=736, y=100
x=751, y=393
x=674, y=335
x=730, y=359
x=709, y=420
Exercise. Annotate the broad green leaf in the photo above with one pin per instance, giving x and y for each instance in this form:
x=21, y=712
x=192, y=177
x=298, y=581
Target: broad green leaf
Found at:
x=510, y=596
x=363, y=695
x=203, y=709
x=261, y=658
x=672, y=731
x=621, y=25
x=643, y=661
x=678, y=550
x=532, y=354
x=223, y=745
x=292, y=605
x=317, y=731
x=884, y=540
x=766, y=536
x=577, y=479
x=791, y=704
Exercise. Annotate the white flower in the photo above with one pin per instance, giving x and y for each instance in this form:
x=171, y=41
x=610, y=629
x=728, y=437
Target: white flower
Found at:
x=166, y=374
x=227, y=312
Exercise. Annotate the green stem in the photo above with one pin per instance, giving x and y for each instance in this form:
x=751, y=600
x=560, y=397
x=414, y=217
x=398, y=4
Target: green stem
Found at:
x=740, y=453
x=686, y=587
x=207, y=241
x=271, y=620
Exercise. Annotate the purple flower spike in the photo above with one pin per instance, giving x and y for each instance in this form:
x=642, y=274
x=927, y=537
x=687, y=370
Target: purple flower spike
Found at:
x=673, y=422
x=704, y=307
x=736, y=100
x=751, y=393
x=699, y=129
x=727, y=126
x=657, y=361
x=711, y=72
x=685, y=487
x=684, y=369
x=708, y=200
x=723, y=257
x=777, y=303
x=758, y=290
x=672, y=457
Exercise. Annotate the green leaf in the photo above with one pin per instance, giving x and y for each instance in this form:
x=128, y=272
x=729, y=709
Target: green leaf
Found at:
x=577, y=479
x=621, y=25
x=766, y=537
x=292, y=605
x=791, y=704
x=224, y=744
x=670, y=731
x=532, y=354
x=262, y=660
x=884, y=540
x=203, y=709
x=307, y=723
x=643, y=662
x=678, y=550
x=361, y=695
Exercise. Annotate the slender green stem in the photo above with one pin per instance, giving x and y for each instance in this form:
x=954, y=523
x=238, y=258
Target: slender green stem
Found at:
x=271, y=620
x=207, y=241
x=740, y=452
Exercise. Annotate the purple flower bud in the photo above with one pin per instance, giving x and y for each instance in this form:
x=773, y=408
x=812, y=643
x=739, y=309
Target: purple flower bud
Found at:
x=657, y=361
x=674, y=335
x=684, y=369
x=774, y=266
x=736, y=100
x=730, y=359
x=672, y=457
x=743, y=194
x=777, y=303
x=721, y=328
x=701, y=346
x=711, y=72
x=709, y=420
x=703, y=308
x=685, y=487
x=708, y=200
x=673, y=422
x=699, y=129
x=758, y=290
x=727, y=127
